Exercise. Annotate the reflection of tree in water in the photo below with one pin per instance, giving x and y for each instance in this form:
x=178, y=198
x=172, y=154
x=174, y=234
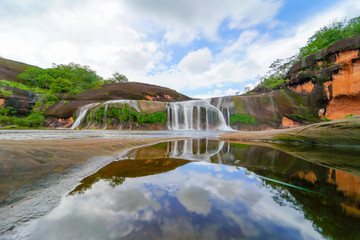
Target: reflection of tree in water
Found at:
x=115, y=181
x=323, y=210
x=116, y=172
x=335, y=212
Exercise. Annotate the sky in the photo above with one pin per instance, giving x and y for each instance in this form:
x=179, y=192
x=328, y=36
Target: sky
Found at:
x=201, y=48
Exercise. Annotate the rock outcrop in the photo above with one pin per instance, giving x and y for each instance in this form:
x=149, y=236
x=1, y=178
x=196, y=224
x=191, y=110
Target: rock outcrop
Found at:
x=336, y=70
x=324, y=85
x=21, y=101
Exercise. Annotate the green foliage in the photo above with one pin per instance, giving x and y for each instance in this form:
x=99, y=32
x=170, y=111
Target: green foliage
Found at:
x=245, y=118
x=66, y=102
x=117, y=78
x=115, y=113
x=33, y=120
x=302, y=116
x=325, y=119
x=4, y=93
x=329, y=34
x=275, y=77
x=350, y=115
x=71, y=78
x=153, y=117
x=123, y=114
x=6, y=83
x=6, y=111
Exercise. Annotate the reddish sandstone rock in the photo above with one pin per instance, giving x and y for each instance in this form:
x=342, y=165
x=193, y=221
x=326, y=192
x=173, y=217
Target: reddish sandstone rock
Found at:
x=335, y=69
x=287, y=122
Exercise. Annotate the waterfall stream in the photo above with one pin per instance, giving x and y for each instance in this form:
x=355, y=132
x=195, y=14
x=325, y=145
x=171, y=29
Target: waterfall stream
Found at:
x=197, y=115
x=210, y=114
x=82, y=114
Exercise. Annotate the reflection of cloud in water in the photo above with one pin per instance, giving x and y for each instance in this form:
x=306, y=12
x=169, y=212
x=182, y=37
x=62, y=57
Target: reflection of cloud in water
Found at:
x=100, y=213
x=194, y=199
x=188, y=202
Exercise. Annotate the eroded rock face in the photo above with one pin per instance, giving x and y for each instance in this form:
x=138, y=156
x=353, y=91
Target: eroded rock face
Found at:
x=336, y=69
x=59, y=122
x=22, y=101
x=306, y=87
x=287, y=122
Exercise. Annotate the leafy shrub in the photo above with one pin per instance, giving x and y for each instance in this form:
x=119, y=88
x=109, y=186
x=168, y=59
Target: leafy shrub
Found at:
x=153, y=117
x=245, y=118
x=4, y=93
x=275, y=77
x=325, y=119
x=350, y=115
x=33, y=120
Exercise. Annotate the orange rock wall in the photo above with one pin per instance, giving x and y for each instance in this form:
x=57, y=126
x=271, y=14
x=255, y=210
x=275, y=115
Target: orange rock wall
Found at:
x=346, y=56
x=303, y=88
x=339, y=107
x=287, y=122
x=2, y=100
x=347, y=81
x=345, y=97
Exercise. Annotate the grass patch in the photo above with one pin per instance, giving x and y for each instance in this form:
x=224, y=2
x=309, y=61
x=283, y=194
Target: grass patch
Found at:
x=244, y=118
x=6, y=83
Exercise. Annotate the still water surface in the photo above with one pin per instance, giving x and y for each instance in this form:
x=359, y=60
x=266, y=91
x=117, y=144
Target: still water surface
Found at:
x=206, y=189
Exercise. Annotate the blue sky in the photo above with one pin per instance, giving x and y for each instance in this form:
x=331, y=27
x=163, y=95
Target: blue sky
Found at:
x=199, y=48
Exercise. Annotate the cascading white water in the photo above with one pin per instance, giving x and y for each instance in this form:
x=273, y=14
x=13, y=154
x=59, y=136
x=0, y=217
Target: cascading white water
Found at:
x=199, y=113
x=82, y=114
x=210, y=114
x=84, y=110
x=223, y=104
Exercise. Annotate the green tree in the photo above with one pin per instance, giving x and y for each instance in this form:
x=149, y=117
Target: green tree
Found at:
x=277, y=72
x=117, y=78
x=71, y=78
x=329, y=34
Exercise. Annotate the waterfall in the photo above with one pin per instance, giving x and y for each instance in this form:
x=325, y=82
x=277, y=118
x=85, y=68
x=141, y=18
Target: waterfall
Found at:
x=206, y=117
x=84, y=110
x=82, y=114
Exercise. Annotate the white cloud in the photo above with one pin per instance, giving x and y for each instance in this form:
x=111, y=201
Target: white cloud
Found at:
x=119, y=36
x=196, y=62
x=187, y=20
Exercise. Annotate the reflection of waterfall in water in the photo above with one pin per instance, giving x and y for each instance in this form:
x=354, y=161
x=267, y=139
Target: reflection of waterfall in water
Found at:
x=194, y=149
x=196, y=115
